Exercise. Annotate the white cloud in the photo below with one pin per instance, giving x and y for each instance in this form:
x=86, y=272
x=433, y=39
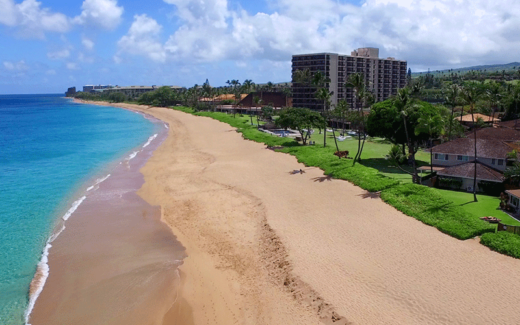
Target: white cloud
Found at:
x=87, y=43
x=33, y=20
x=105, y=14
x=143, y=39
x=72, y=66
x=62, y=54
x=427, y=33
x=16, y=66
x=51, y=72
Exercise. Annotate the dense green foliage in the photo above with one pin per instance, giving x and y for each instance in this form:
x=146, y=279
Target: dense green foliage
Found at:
x=112, y=97
x=162, y=97
x=386, y=120
x=502, y=242
x=451, y=212
x=300, y=119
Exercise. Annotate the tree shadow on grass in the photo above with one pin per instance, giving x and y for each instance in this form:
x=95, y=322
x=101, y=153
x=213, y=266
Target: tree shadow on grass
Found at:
x=385, y=166
x=371, y=195
x=322, y=179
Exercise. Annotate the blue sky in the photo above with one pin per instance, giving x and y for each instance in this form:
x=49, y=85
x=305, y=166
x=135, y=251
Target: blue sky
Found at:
x=49, y=45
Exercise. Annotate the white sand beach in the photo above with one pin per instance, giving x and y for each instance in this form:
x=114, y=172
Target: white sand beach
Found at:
x=266, y=246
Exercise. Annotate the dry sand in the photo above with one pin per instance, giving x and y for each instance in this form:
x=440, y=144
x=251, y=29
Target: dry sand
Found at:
x=266, y=246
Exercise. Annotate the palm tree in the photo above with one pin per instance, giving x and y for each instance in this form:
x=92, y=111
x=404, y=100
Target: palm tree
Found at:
x=357, y=81
x=452, y=100
x=340, y=111
x=248, y=85
x=494, y=95
x=320, y=81
x=431, y=125
x=403, y=101
x=470, y=95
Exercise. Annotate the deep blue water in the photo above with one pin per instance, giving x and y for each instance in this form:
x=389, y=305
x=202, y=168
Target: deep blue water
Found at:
x=50, y=148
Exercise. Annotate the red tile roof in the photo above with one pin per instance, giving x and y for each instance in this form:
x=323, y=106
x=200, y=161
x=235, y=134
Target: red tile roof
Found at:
x=485, y=118
x=491, y=143
x=467, y=170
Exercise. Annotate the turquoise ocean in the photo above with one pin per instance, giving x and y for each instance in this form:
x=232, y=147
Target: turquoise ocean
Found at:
x=50, y=149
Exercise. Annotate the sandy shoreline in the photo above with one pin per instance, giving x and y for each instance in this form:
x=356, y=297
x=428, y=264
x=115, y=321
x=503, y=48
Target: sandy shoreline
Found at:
x=268, y=247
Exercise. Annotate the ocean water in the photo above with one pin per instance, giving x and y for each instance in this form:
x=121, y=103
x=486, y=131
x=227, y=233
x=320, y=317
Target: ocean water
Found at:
x=50, y=150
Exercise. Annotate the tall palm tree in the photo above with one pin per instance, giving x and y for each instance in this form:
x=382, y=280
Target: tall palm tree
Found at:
x=452, y=99
x=357, y=82
x=403, y=101
x=494, y=95
x=248, y=85
x=320, y=81
x=430, y=125
x=470, y=94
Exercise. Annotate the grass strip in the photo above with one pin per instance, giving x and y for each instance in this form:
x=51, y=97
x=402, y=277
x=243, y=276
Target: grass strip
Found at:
x=503, y=242
x=428, y=205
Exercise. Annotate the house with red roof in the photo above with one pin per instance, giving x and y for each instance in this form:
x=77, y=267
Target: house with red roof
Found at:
x=455, y=164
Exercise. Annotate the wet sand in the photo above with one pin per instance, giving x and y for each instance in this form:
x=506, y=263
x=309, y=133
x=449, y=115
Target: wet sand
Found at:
x=116, y=261
x=266, y=246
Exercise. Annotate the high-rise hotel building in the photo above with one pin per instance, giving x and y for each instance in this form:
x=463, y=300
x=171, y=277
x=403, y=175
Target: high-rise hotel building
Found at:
x=382, y=76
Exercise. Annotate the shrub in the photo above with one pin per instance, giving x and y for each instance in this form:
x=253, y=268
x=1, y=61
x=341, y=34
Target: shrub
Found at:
x=450, y=182
x=503, y=242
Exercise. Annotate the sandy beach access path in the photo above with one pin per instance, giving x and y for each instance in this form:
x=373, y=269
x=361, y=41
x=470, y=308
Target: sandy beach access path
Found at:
x=266, y=246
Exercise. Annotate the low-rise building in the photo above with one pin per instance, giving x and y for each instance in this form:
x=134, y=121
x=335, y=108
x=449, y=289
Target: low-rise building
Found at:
x=455, y=159
x=93, y=88
x=467, y=120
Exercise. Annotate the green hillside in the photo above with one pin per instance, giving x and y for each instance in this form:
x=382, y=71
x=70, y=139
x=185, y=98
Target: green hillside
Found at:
x=513, y=66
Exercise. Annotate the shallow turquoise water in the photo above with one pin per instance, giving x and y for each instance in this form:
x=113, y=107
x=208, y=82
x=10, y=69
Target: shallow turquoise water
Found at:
x=49, y=149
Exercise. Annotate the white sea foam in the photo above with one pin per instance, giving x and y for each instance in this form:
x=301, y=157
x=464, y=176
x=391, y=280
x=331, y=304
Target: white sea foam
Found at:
x=39, y=282
x=42, y=272
x=150, y=139
x=73, y=208
x=132, y=155
x=98, y=181
x=166, y=126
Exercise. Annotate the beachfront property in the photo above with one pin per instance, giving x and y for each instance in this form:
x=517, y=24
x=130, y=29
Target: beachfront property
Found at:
x=275, y=99
x=454, y=160
x=95, y=88
x=383, y=76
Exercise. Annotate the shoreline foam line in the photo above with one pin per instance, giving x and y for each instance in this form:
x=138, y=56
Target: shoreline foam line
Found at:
x=98, y=181
x=42, y=269
x=150, y=139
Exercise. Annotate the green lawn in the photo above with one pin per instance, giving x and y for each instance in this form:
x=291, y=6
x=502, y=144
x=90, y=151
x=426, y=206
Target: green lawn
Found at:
x=374, y=155
x=486, y=205
x=453, y=213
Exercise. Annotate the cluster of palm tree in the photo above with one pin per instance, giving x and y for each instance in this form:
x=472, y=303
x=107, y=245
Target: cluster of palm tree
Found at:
x=192, y=96
x=471, y=93
x=364, y=98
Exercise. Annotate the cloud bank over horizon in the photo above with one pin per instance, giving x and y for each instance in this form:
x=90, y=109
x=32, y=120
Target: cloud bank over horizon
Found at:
x=184, y=41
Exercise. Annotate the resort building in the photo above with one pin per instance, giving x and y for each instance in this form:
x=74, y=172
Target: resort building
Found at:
x=92, y=88
x=274, y=99
x=383, y=77
x=454, y=160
